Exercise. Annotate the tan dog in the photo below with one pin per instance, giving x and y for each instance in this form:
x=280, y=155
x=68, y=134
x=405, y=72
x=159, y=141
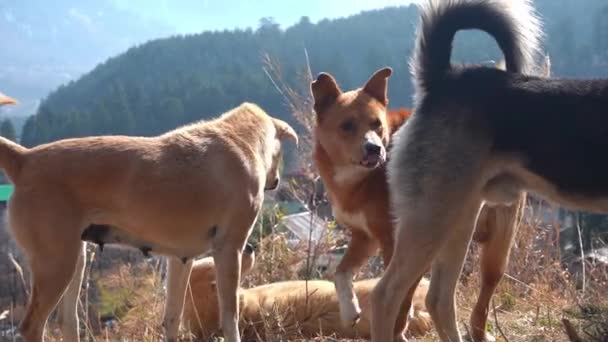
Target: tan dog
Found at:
x=290, y=308
x=351, y=139
x=195, y=189
x=5, y=100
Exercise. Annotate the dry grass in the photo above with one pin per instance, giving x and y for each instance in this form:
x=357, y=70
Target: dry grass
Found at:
x=530, y=303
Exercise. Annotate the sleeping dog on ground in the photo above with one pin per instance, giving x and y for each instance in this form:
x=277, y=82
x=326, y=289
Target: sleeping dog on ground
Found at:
x=288, y=309
x=481, y=135
x=195, y=189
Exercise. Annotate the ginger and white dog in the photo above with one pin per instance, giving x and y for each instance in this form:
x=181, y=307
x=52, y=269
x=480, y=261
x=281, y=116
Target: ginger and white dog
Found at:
x=195, y=189
x=287, y=309
x=482, y=135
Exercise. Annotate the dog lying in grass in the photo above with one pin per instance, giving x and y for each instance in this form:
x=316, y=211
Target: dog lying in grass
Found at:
x=291, y=308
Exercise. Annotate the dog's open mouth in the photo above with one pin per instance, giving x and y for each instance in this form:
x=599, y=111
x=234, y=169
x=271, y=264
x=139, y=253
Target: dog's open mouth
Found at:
x=371, y=161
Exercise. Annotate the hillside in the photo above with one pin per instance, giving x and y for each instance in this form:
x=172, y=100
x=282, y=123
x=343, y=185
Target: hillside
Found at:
x=165, y=83
x=46, y=46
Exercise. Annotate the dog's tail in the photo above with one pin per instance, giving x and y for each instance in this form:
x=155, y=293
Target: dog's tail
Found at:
x=11, y=158
x=512, y=23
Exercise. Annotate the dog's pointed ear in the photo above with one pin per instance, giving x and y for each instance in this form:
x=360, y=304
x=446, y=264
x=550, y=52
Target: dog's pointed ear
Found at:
x=325, y=91
x=284, y=131
x=377, y=85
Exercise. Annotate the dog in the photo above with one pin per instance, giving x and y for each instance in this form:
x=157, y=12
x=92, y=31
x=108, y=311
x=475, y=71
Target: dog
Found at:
x=359, y=193
x=481, y=135
x=351, y=135
x=291, y=308
x=5, y=100
x=196, y=189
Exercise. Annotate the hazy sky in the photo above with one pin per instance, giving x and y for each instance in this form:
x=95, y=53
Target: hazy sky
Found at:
x=189, y=16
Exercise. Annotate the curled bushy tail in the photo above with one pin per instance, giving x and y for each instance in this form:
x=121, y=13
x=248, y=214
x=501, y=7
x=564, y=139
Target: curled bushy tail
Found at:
x=11, y=155
x=512, y=23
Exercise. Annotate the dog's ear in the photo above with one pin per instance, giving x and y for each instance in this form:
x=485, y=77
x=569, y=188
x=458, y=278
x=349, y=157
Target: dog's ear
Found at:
x=284, y=131
x=396, y=118
x=4, y=100
x=377, y=85
x=325, y=91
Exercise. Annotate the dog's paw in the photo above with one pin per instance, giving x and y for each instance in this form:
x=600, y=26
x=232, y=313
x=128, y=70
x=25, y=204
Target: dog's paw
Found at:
x=350, y=314
x=485, y=337
x=400, y=338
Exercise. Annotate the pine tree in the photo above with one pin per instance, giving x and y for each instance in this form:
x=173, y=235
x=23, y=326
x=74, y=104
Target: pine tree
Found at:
x=7, y=130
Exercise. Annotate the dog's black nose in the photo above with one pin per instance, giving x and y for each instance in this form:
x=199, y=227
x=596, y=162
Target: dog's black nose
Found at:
x=373, y=149
x=249, y=248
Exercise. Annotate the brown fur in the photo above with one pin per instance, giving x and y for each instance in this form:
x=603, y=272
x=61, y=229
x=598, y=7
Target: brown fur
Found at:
x=368, y=192
x=346, y=121
x=284, y=308
x=177, y=194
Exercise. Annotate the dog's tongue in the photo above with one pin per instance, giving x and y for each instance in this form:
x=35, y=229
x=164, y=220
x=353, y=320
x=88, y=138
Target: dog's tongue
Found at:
x=370, y=160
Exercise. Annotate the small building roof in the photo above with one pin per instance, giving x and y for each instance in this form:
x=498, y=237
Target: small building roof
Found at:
x=305, y=225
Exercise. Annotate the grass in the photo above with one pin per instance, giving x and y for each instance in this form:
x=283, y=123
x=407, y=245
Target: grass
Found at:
x=530, y=304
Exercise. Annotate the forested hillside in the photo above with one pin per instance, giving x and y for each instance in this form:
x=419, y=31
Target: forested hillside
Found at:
x=165, y=83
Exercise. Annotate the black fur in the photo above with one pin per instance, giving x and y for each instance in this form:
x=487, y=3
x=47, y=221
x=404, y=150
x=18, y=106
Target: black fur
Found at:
x=96, y=233
x=145, y=251
x=558, y=127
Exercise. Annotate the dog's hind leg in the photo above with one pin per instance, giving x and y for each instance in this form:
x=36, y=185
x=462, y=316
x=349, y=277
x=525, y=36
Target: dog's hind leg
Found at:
x=446, y=270
x=178, y=275
x=67, y=310
x=496, y=228
x=51, y=275
x=401, y=277
x=360, y=248
x=387, y=242
x=436, y=212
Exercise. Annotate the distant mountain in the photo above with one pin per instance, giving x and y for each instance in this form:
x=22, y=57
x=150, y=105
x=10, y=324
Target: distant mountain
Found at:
x=164, y=83
x=48, y=43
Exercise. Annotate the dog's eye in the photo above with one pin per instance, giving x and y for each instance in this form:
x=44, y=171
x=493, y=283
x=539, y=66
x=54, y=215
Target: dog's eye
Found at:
x=376, y=124
x=348, y=126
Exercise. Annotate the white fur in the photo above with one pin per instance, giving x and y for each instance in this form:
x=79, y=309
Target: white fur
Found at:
x=349, y=304
x=349, y=174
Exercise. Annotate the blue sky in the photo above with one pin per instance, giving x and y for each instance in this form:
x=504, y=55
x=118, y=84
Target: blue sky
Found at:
x=189, y=16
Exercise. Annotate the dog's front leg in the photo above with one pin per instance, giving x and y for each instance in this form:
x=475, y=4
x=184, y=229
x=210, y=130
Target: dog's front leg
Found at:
x=228, y=272
x=360, y=248
x=178, y=274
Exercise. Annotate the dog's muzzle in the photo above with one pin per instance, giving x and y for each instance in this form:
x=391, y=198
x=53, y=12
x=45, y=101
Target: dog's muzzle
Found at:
x=373, y=155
